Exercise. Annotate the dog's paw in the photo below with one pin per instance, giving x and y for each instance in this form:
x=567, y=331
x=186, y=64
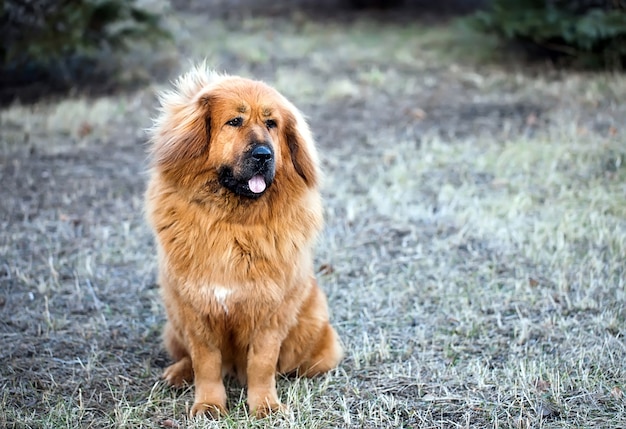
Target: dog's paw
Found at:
x=210, y=410
x=267, y=408
x=179, y=373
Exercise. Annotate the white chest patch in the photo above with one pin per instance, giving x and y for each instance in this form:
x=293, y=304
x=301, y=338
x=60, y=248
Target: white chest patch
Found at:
x=221, y=295
x=218, y=294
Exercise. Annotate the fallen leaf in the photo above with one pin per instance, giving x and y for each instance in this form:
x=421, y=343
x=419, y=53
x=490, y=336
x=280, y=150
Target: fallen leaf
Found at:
x=85, y=129
x=169, y=423
x=542, y=385
x=325, y=269
x=617, y=393
x=418, y=114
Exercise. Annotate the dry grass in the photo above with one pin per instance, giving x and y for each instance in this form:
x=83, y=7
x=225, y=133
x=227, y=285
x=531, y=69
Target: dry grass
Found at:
x=474, y=254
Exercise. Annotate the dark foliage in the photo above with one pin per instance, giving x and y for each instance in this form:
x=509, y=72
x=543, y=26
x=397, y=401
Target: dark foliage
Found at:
x=587, y=33
x=59, y=42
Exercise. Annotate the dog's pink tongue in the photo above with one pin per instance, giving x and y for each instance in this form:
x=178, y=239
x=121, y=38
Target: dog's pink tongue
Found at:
x=257, y=184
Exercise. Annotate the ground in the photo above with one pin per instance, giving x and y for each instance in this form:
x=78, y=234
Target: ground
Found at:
x=473, y=256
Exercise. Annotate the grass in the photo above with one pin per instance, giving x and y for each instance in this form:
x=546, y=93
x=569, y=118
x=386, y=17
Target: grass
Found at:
x=473, y=253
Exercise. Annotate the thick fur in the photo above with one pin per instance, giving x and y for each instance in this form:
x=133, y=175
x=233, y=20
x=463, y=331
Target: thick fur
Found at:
x=236, y=271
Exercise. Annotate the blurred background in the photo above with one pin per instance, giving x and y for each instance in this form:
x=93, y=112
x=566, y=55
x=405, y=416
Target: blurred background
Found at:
x=54, y=45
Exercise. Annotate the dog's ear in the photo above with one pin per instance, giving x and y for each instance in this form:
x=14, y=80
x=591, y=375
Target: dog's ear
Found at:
x=182, y=131
x=301, y=147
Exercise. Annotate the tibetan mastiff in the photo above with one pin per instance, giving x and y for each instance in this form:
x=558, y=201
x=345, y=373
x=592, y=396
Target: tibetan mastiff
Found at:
x=234, y=203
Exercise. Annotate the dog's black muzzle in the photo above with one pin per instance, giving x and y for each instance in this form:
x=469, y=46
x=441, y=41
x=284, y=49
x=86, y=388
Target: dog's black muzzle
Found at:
x=256, y=172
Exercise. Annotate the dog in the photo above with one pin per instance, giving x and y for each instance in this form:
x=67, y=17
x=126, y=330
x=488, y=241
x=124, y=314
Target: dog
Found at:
x=234, y=204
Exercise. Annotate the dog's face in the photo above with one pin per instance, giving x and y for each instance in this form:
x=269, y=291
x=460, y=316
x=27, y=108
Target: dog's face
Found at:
x=233, y=135
x=245, y=138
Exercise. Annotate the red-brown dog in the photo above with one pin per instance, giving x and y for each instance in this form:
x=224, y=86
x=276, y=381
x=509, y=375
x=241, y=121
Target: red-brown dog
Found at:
x=235, y=207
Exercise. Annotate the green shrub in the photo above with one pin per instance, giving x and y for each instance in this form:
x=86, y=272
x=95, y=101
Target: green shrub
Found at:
x=46, y=30
x=55, y=45
x=588, y=33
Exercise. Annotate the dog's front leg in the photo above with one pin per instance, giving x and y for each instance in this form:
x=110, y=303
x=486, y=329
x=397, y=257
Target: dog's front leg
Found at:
x=261, y=369
x=210, y=392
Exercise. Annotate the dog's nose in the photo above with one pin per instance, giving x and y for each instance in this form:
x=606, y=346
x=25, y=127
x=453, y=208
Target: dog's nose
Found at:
x=261, y=153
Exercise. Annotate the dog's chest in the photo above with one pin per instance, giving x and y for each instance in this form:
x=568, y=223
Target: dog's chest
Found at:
x=219, y=298
x=250, y=302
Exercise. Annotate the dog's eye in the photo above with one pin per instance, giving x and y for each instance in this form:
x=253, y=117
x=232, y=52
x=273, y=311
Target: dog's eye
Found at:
x=270, y=123
x=235, y=122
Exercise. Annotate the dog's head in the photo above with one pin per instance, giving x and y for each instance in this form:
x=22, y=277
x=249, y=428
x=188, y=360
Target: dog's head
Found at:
x=220, y=133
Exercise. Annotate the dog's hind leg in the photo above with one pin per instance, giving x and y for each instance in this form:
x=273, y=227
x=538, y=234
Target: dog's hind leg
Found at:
x=312, y=346
x=325, y=355
x=181, y=371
